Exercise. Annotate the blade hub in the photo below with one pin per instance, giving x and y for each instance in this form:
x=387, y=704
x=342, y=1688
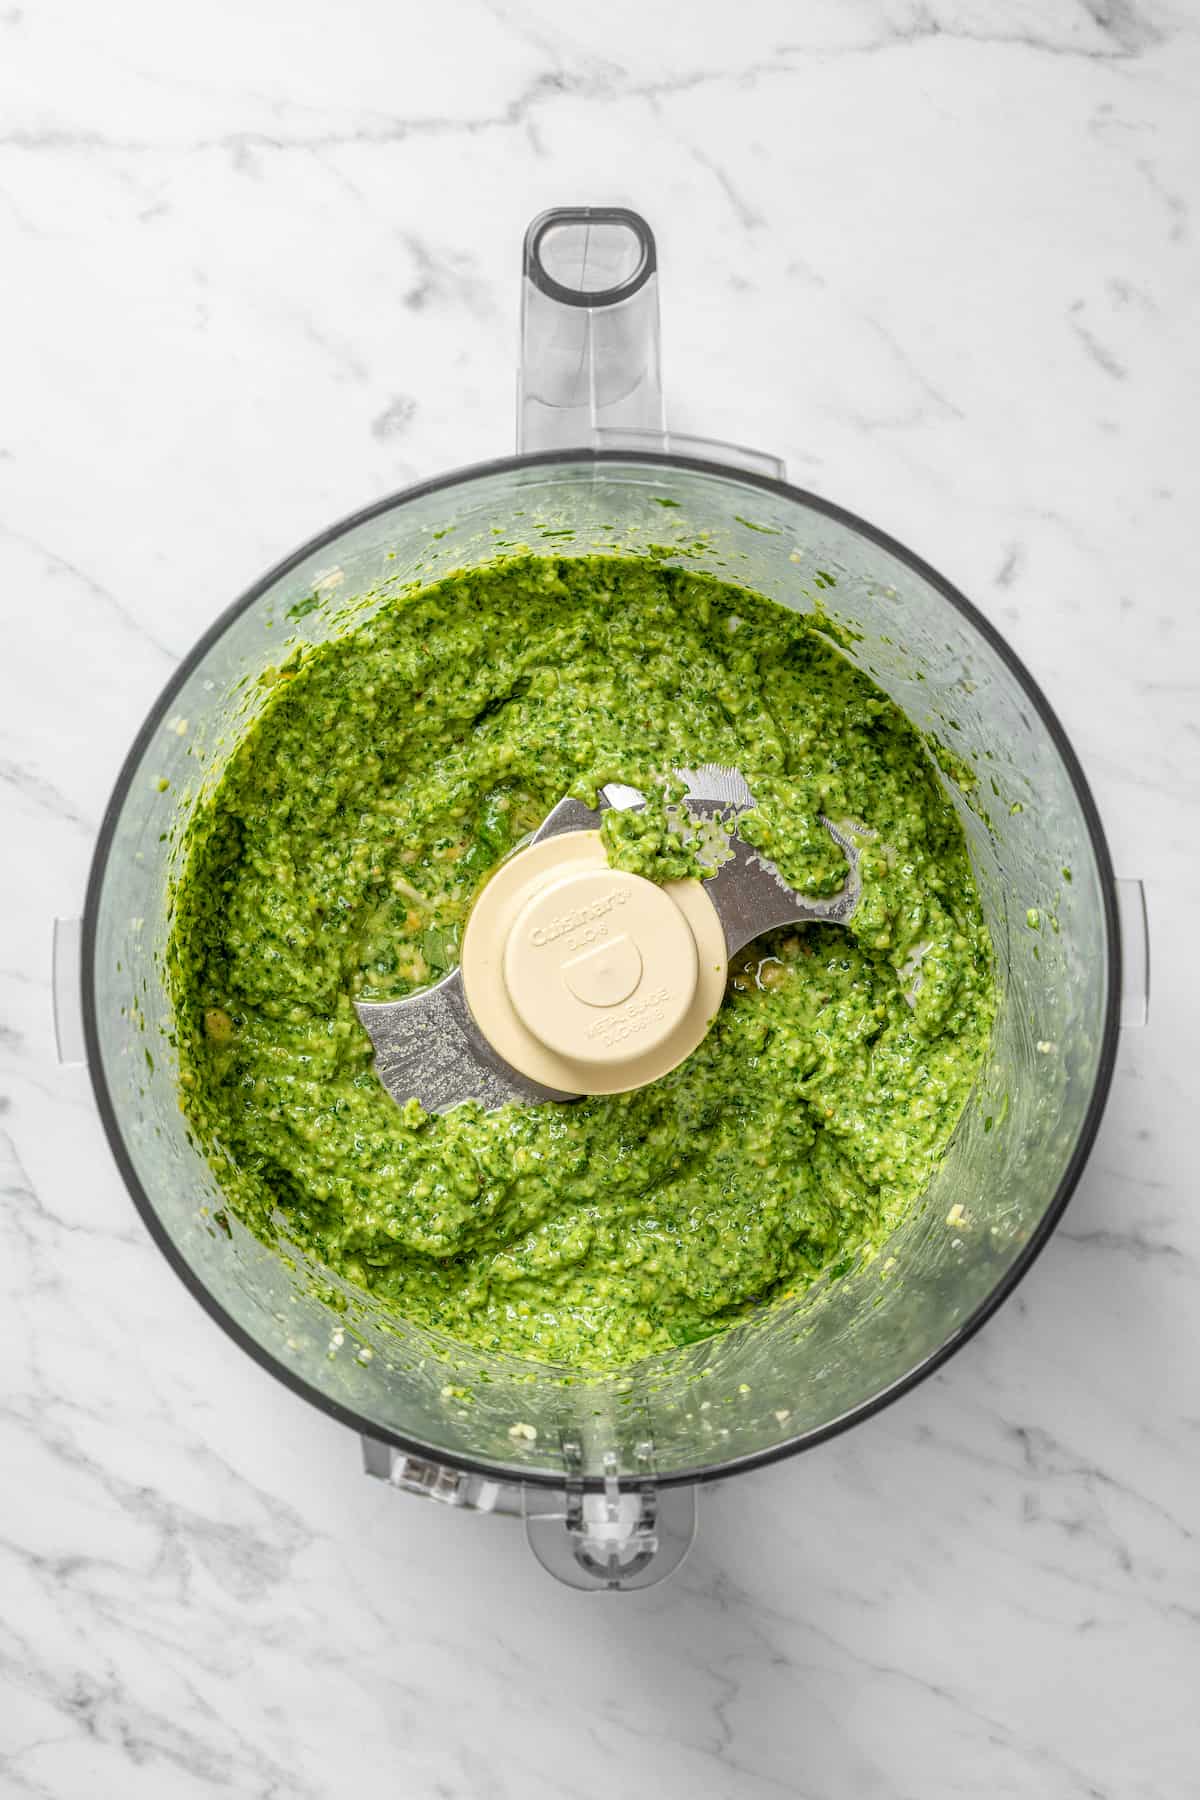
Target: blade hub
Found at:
x=589, y=979
x=600, y=964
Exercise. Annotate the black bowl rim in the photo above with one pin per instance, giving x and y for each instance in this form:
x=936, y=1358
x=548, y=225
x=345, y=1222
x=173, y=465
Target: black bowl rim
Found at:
x=1108, y=1047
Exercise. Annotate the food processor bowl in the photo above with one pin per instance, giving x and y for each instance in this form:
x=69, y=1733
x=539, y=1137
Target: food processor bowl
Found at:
x=605, y=1466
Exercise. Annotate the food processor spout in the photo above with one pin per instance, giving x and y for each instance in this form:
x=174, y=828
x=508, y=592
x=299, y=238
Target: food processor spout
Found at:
x=589, y=329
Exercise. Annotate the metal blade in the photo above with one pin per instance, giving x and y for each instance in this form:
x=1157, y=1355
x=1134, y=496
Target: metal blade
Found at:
x=568, y=815
x=428, y=1048
x=748, y=891
x=751, y=896
x=725, y=787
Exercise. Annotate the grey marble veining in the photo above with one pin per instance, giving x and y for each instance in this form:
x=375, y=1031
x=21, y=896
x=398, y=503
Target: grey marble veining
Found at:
x=260, y=266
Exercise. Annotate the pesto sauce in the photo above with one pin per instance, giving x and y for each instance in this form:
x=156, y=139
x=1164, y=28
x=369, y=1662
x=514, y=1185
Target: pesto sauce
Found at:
x=386, y=776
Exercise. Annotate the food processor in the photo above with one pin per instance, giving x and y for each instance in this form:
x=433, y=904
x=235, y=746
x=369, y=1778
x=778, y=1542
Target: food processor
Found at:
x=604, y=1468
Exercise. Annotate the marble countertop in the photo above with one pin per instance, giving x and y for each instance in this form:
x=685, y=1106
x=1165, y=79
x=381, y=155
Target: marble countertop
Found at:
x=259, y=267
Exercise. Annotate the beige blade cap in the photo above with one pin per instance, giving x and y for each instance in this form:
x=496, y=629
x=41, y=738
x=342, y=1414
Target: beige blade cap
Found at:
x=580, y=979
x=588, y=979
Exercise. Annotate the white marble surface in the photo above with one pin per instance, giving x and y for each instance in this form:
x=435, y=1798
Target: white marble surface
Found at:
x=258, y=266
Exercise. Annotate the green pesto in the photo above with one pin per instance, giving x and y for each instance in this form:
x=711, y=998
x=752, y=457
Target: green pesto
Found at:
x=338, y=856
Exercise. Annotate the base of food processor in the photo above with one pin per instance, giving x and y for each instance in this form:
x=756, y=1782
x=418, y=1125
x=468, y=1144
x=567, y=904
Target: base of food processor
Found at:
x=625, y=1535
